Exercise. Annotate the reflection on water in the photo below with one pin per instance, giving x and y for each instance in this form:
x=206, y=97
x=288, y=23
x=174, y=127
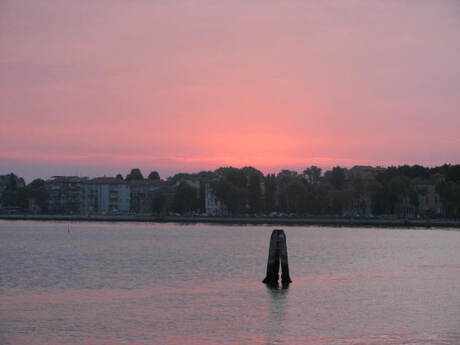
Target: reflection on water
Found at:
x=276, y=313
x=187, y=285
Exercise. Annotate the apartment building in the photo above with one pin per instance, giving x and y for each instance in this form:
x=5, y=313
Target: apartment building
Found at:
x=103, y=195
x=141, y=194
x=65, y=194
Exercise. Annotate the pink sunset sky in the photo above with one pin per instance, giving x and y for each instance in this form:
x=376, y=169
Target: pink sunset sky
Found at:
x=96, y=87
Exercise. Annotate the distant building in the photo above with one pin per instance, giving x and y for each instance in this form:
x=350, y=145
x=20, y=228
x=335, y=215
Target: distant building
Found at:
x=429, y=201
x=33, y=207
x=141, y=194
x=213, y=206
x=105, y=195
x=361, y=203
x=405, y=208
x=364, y=172
x=65, y=194
x=360, y=206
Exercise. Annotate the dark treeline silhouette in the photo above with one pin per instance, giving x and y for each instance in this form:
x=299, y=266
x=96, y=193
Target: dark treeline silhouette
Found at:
x=403, y=191
x=14, y=193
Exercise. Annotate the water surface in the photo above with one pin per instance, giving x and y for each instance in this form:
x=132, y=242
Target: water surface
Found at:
x=132, y=283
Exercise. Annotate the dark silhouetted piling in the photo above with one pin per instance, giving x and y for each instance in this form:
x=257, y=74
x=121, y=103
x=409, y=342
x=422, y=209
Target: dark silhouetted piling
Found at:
x=277, y=254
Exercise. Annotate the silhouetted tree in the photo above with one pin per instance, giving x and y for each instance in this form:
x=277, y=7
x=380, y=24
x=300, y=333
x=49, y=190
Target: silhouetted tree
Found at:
x=449, y=193
x=14, y=194
x=359, y=192
x=451, y=173
x=320, y=199
x=381, y=198
x=159, y=203
x=154, y=175
x=336, y=177
x=312, y=174
x=135, y=174
x=255, y=193
x=249, y=171
x=339, y=201
x=293, y=197
x=180, y=177
x=186, y=199
x=291, y=192
x=270, y=193
x=399, y=188
x=234, y=176
x=37, y=191
x=231, y=189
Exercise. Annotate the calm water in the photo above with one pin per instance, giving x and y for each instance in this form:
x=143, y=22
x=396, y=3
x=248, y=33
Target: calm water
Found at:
x=106, y=283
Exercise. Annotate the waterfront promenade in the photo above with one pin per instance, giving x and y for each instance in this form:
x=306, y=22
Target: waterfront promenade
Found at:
x=321, y=221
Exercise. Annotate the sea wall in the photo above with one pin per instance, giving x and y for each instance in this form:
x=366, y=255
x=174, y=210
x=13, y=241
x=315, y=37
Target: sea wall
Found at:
x=321, y=221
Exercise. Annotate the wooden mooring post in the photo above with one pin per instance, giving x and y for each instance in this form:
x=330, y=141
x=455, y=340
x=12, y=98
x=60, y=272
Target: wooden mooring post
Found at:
x=277, y=254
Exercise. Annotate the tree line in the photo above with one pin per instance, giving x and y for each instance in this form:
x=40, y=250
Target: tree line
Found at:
x=396, y=190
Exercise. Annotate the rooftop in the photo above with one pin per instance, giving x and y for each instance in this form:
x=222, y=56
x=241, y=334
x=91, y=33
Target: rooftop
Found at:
x=105, y=180
x=67, y=179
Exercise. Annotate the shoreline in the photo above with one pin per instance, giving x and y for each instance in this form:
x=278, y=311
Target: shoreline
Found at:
x=321, y=221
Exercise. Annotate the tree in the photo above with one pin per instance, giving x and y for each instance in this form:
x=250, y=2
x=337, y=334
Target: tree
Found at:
x=414, y=200
x=154, y=175
x=286, y=175
x=186, y=199
x=255, y=193
x=381, y=199
x=399, y=191
x=449, y=193
x=450, y=172
x=180, y=177
x=235, y=176
x=231, y=188
x=293, y=193
x=206, y=176
x=358, y=188
x=135, y=174
x=14, y=194
x=337, y=177
x=249, y=171
x=319, y=203
x=339, y=200
x=159, y=203
x=294, y=197
x=231, y=195
x=36, y=190
x=312, y=174
x=119, y=177
x=270, y=193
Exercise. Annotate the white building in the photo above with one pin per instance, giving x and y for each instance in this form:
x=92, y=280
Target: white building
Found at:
x=105, y=195
x=213, y=205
